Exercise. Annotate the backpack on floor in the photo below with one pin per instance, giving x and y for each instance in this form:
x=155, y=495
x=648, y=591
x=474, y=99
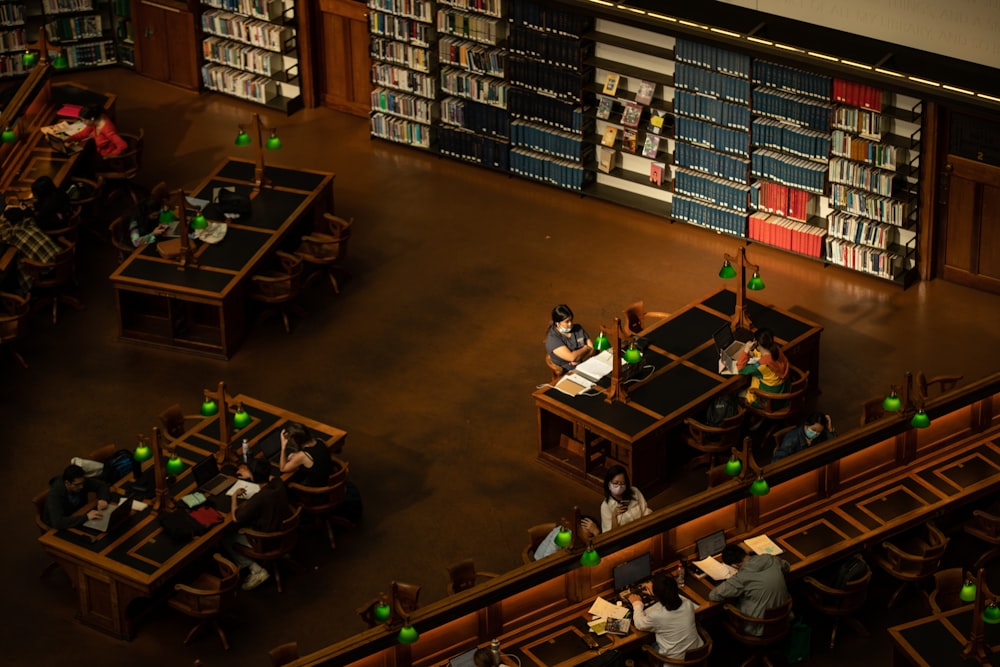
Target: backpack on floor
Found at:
x=799, y=637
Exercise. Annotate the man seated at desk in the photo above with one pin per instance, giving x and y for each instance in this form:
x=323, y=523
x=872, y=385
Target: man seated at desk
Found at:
x=19, y=230
x=758, y=585
x=68, y=493
x=264, y=511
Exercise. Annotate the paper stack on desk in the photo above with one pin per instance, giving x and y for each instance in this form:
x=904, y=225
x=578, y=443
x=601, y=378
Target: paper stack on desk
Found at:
x=762, y=544
x=605, y=612
x=715, y=569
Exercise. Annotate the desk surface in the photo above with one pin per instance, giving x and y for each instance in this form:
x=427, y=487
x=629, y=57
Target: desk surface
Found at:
x=938, y=640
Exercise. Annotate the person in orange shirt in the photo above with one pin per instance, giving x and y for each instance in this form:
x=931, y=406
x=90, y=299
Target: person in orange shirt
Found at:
x=107, y=141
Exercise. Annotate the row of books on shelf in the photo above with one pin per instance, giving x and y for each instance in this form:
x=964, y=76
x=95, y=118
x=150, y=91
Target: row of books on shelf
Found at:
x=857, y=94
x=491, y=7
x=541, y=17
x=486, y=151
x=121, y=7
x=11, y=65
x=400, y=78
x=76, y=27
x=483, y=89
x=712, y=109
x=91, y=55
x=476, y=117
x=471, y=26
x=786, y=233
x=877, y=262
x=787, y=170
x=247, y=85
x=709, y=82
x=12, y=40
x=243, y=29
x=792, y=79
x=63, y=6
x=707, y=215
x=11, y=15
x=242, y=56
x=792, y=107
x=401, y=29
x=554, y=50
x=861, y=176
x=537, y=166
x=422, y=10
x=401, y=53
x=471, y=56
x=799, y=141
x=400, y=104
x=782, y=200
x=400, y=130
x=712, y=162
x=632, y=113
x=563, y=145
x=845, y=144
x=268, y=10
x=863, y=231
x=560, y=114
x=712, y=136
x=711, y=57
x=561, y=83
x=869, y=205
x=715, y=190
x=859, y=121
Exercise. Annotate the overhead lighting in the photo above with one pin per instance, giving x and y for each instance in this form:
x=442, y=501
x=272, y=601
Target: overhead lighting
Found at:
x=854, y=64
x=822, y=55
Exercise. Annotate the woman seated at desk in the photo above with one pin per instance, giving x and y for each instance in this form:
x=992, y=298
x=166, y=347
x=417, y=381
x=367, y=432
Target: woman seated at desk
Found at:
x=623, y=503
x=763, y=360
x=671, y=617
x=107, y=141
x=567, y=343
x=304, y=456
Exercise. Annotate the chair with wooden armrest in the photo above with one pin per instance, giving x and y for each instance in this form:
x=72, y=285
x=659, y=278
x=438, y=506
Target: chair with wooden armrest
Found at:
x=912, y=558
x=405, y=599
x=556, y=370
x=636, y=317
x=781, y=408
x=713, y=441
x=840, y=603
x=943, y=383
x=985, y=526
x=175, y=422
x=774, y=627
x=270, y=548
x=872, y=410
x=696, y=657
x=283, y=654
x=278, y=289
x=84, y=193
x=39, y=503
x=325, y=252
x=119, y=233
x=14, y=311
x=208, y=597
x=118, y=172
x=947, y=586
x=321, y=503
x=536, y=534
x=51, y=280
x=70, y=231
x=463, y=575
x=776, y=438
x=367, y=613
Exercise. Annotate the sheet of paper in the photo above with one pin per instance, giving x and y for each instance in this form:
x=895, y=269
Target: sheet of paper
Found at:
x=138, y=506
x=715, y=569
x=251, y=488
x=762, y=544
x=605, y=609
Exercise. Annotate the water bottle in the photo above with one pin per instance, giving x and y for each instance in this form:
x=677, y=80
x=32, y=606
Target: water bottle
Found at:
x=495, y=652
x=679, y=577
x=246, y=449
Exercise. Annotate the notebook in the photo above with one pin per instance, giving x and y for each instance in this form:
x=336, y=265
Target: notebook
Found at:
x=208, y=479
x=593, y=370
x=112, y=518
x=729, y=349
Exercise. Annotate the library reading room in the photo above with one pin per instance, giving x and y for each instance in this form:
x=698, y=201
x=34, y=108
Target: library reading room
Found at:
x=481, y=333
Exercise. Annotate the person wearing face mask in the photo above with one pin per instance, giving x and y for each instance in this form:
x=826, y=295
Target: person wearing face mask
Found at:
x=816, y=428
x=566, y=342
x=623, y=503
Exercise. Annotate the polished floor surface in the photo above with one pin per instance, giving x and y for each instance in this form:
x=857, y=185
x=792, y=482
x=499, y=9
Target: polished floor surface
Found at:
x=428, y=359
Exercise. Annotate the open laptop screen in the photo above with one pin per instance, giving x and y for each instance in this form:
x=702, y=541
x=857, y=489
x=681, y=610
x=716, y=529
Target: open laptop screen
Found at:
x=204, y=471
x=463, y=660
x=711, y=545
x=631, y=571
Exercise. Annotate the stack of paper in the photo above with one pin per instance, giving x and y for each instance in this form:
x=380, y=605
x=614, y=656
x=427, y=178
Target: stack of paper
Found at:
x=715, y=569
x=762, y=544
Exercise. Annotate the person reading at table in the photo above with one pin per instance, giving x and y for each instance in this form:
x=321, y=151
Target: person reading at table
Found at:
x=758, y=585
x=305, y=457
x=816, y=428
x=623, y=503
x=107, y=141
x=68, y=493
x=264, y=511
x=19, y=230
x=588, y=529
x=763, y=360
x=671, y=617
x=566, y=342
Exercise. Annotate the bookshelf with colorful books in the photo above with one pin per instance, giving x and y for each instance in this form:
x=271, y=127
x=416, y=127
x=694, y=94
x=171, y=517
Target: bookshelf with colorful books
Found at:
x=873, y=175
x=404, y=54
x=632, y=85
x=251, y=51
x=474, y=125
x=13, y=38
x=80, y=30
x=546, y=95
x=711, y=137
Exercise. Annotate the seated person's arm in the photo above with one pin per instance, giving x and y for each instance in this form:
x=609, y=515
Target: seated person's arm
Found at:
x=81, y=135
x=119, y=145
x=103, y=491
x=789, y=445
x=574, y=356
x=58, y=519
x=727, y=589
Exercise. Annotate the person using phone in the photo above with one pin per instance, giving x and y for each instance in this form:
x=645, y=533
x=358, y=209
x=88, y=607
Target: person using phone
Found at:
x=623, y=503
x=671, y=617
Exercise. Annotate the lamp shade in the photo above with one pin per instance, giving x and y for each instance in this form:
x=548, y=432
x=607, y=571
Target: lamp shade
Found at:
x=563, y=538
x=590, y=557
x=734, y=466
x=241, y=418
x=242, y=138
x=727, y=271
x=60, y=62
x=968, y=592
x=9, y=135
x=273, y=143
x=756, y=283
x=29, y=58
x=209, y=407
x=633, y=355
x=167, y=215
x=920, y=419
x=892, y=403
x=142, y=453
x=601, y=343
x=760, y=487
x=199, y=222
x=175, y=465
x=991, y=614
x=408, y=634
x=382, y=612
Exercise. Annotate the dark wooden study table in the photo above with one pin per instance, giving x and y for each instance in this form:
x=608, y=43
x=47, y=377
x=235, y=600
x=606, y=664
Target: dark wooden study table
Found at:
x=937, y=640
x=582, y=435
x=115, y=575
x=201, y=308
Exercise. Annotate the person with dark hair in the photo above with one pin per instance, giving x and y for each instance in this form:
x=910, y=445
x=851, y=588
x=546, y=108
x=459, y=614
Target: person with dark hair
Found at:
x=303, y=455
x=19, y=230
x=623, y=503
x=671, y=617
x=588, y=529
x=816, y=428
x=566, y=342
x=145, y=227
x=758, y=585
x=68, y=493
x=53, y=209
x=264, y=511
x=763, y=360
x=107, y=141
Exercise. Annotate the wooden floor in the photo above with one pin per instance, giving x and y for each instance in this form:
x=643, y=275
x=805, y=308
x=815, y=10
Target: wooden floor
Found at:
x=428, y=359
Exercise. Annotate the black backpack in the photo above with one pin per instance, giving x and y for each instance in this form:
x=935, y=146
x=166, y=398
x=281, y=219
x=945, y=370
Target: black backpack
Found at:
x=720, y=409
x=117, y=466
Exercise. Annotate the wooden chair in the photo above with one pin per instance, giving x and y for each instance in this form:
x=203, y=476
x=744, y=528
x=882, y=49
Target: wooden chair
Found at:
x=279, y=288
x=840, y=603
x=693, y=658
x=463, y=575
x=713, y=441
x=405, y=599
x=872, y=410
x=912, y=558
x=51, y=280
x=325, y=253
x=636, y=316
x=208, y=597
x=14, y=311
x=39, y=503
x=781, y=408
x=118, y=230
x=943, y=383
x=556, y=370
x=118, y=172
x=269, y=548
x=367, y=613
x=985, y=526
x=775, y=624
x=776, y=438
x=321, y=503
x=70, y=231
x=84, y=193
x=535, y=536
x=947, y=585
x=284, y=654
x=175, y=421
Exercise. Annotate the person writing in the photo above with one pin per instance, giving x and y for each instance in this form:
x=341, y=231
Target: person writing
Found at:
x=304, y=456
x=623, y=503
x=68, y=493
x=567, y=343
x=671, y=617
x=816, y=428
x=762, y=359
x=758, y=585
x=588, y=529
x=264, y=512
x=107, y=141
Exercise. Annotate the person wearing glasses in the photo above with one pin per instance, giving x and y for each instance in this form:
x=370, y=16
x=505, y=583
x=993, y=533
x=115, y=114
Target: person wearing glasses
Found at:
x=68, y=493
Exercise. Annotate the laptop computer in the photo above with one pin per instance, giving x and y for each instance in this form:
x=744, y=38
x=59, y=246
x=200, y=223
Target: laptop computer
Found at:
x=729, y=349
x=708, y=563
x=209, y=480
x=112, y=518
x=464, y=659
x=628, y=575
x=711, y=545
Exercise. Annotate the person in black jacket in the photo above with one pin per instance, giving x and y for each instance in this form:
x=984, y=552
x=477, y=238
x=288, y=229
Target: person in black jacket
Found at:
x=816, y=428
x=68, y=493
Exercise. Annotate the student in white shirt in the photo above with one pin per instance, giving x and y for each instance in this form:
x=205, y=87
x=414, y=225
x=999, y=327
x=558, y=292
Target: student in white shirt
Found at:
x=671, y=617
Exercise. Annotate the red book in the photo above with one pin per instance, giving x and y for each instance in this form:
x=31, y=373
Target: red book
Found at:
x=69, y=111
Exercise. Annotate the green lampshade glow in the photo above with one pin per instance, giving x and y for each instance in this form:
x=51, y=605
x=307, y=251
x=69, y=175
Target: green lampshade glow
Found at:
x=242, y=138
x=382, y=612
x=209, y=407
x=60, y=62
x=273, y=143
x=241, y=418
x=167, y=215
x=734, y=467
x=142, y=453
x=590, y=558
x=199, y=222
x=892, y=403
x=601, y=343
x=175, y=465
x=9, y=136
x=29, y=58
x=563, y=538
x=632, y=355
x=992, y=613
x=920, y=419
x=756, y=283
x=760, y=487
x=408, y=635
x=968, y=592
x=727, y=271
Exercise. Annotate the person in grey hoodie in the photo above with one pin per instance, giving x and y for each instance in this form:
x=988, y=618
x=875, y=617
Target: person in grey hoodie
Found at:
x=758, y=585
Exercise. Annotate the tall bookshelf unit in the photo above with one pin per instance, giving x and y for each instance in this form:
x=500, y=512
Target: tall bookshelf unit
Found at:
x=13, y=37
x=121, y=17
x=251, y=51
x=82, y=30
x=473, y=58
x=405, y=103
